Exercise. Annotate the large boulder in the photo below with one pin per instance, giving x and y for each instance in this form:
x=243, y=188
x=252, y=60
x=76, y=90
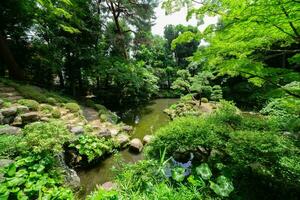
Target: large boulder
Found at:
x=136, y=145
x=147, y=139
x=73, y=179
x=30, y=117
x=77, y=130
x=122, y=139
x=11, y=130
x=8, y=112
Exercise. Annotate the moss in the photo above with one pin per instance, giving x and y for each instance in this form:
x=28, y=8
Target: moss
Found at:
x=56, y=113
x=204, y=100
x=45, y=108
x=73, y=107
x=51, y=101
x=31, y=104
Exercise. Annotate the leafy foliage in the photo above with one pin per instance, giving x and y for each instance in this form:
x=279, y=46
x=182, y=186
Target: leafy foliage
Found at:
x=93, y=147
x=33, y=177
x=41, y=137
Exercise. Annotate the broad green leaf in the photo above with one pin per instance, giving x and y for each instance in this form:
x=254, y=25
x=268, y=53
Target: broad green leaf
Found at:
x=178, y=174
x=204, y=171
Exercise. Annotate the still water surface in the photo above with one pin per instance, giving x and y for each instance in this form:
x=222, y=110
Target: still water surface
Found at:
x=145, y=120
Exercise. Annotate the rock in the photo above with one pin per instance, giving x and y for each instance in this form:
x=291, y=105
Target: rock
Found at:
x=123, y=140
x=8, y=120
x=147, y=139
x=127, y=128
x=8, y=112
x=77, y=130
x=136, y=145
x=73, y=179
x=109, y=185
x=22, y=109
x=30, y=117
x=114, y=132
x=1, y=118
x=11, y=130
x=45, y=119
x=5, y=162
x=105, y=133
x=17, y=121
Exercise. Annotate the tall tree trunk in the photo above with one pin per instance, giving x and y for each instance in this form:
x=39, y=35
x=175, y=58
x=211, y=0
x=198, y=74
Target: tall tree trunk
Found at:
x=15, y=72
x=61, y=79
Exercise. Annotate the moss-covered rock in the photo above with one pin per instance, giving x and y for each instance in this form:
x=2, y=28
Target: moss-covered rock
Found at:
x=31, y=104
x=73, y=107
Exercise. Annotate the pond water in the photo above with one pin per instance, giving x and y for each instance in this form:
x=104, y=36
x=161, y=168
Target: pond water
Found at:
x=145, y=120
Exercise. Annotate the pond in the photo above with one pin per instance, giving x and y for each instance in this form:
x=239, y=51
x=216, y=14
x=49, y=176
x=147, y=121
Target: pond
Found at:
x=145, y=120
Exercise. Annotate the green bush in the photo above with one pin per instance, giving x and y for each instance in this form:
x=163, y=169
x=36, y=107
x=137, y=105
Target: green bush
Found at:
x=253, y=147
x=8, y=145
x=45, y=108
x=31, y=104
x=56, y=113
x=73, y=107
x=204, y=100
x=93, y=147
x=33, y=177
x=42, y=137
x=51, y=101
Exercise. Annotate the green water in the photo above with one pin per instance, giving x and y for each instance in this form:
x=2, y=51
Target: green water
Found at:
x=145, y=121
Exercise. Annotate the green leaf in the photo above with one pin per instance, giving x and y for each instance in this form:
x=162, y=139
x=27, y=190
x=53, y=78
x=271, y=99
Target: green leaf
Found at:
x=11, y=171
x=178, y=174
x=223, y=187
x=204, y=171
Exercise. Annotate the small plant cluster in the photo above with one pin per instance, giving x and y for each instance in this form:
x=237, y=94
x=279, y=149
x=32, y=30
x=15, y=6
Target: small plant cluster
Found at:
x=42, y=137
x=201, y=177
x=93, y=147
x=33, y=177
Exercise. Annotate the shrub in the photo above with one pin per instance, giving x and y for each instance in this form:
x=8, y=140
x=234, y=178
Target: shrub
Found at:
x=51, y=100
x=56, y=113
x=31, y=104
x=44, y=137
x=186, y=134
x=45, y=108
x=8, y=145
x=204, y=100
x=73, y=107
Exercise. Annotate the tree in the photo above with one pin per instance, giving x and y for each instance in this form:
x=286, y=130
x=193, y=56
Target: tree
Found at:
x=249, y=34
x=200, y=84
x=135, y=13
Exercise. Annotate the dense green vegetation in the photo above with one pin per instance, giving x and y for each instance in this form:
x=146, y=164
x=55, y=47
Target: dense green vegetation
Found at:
x=234, y=134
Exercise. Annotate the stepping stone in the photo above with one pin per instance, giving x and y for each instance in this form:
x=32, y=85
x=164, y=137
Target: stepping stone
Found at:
x=147, y=139
x=123, y=140
x=136, y=145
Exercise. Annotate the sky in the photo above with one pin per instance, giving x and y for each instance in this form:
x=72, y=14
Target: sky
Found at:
x=176, y=18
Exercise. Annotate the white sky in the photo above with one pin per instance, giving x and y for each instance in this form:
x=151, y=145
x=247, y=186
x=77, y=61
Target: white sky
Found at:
x=177, y=18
